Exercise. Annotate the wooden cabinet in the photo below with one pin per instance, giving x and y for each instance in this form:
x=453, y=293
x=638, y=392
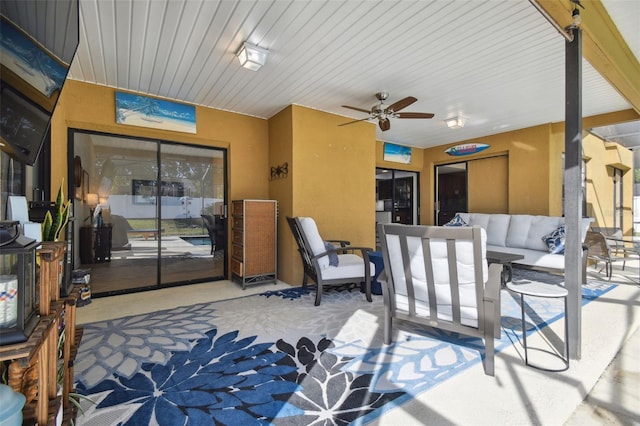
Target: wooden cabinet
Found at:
x=35, y=365
x=253, y=237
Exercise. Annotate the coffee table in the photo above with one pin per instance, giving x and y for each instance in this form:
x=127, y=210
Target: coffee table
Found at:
x=505, y=260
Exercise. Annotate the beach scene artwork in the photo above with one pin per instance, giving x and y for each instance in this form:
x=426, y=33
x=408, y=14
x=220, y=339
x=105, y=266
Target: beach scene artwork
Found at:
x=397, y=153
x=29, y=60
x=143, y=111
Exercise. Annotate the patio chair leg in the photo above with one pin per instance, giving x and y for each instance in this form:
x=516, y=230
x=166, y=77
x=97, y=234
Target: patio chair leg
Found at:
x=368, y=289
x=318, y=294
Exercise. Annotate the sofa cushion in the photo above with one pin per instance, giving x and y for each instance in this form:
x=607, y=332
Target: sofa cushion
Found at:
x=555, y=240
x=535, y=258
x=526, y=231
x=496, y=225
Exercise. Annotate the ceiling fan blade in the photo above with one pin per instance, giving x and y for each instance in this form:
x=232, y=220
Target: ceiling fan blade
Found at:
x=402, y=103
x=413, y=115
x=384, y=124
x=354, y=121
x=357, y=109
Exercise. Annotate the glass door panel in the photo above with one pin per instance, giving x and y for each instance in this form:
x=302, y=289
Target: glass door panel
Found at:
x=451, y=191
x=191, y=195
x=153, y=197
x=396, y=199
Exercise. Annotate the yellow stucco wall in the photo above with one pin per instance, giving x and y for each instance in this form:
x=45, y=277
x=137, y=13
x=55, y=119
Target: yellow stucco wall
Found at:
x=281, y=189
x=92, y=107
x=602, y=158
x=531, y=158
x=332, y=175
x=331, y=168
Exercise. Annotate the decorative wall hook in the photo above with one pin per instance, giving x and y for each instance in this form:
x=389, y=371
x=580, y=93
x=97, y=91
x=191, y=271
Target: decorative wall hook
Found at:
x=280, y=171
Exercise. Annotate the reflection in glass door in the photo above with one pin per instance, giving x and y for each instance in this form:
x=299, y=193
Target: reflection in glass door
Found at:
x=192, y=213
x=451, y=191
x=396, y=196
x=155, y=198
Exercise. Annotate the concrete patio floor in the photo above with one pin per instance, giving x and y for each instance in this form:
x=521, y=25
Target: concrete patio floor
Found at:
x=601, y=388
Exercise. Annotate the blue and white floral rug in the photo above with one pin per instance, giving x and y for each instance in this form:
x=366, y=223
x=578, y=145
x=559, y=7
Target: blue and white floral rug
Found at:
x=273, y=358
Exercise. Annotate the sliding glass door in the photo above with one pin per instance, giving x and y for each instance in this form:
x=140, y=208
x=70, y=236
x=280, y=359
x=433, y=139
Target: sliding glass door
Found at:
x=192, y=216
x=154, y=200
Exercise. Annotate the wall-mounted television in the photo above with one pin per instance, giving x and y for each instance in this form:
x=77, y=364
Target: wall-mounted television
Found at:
x=38, y=39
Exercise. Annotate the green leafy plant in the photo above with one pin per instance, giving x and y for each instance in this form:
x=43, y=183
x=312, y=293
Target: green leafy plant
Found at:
x=74, y=398
x=54, y=223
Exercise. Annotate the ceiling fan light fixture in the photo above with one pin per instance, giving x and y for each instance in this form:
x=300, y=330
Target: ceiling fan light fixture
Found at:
x=455, y=122
x=252, y=57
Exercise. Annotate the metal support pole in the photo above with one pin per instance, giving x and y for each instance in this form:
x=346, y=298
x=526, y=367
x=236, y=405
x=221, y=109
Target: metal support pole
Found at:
x=573, y=189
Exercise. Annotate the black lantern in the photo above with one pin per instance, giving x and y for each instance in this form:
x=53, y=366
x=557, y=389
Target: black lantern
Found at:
x=18, y=298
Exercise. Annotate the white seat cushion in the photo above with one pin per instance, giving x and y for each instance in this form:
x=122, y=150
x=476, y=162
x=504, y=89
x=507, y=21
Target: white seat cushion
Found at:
x=349, y=265
x=466, y=276
x=316, y=242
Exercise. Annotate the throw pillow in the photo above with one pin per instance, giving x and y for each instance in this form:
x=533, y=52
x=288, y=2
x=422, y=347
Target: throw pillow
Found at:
x=555, y=240
x=456, y=221
x=333, y=256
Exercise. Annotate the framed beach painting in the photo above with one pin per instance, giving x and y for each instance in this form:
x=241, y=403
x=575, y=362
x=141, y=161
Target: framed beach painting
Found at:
x=144, y=111
x=397, y=153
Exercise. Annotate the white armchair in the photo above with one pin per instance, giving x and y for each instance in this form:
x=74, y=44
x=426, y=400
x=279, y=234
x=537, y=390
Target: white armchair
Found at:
x=328, y=264
x=438, y=277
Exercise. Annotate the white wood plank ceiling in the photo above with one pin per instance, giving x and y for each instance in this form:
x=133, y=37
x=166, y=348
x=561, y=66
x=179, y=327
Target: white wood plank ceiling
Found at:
x=498, y=63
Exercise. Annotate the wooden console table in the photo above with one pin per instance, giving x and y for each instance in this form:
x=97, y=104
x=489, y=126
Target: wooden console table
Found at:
x=33, y=364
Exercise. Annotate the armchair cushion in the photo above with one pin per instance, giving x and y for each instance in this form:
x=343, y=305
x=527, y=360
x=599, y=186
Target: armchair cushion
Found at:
x=351, y=265
x=333, y=256
x=316, y=243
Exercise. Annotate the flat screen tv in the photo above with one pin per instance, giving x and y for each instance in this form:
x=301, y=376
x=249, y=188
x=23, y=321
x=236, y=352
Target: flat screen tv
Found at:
x=38, y=39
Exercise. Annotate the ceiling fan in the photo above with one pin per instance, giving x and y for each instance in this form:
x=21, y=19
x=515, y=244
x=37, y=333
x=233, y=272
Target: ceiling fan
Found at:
x=382, y=113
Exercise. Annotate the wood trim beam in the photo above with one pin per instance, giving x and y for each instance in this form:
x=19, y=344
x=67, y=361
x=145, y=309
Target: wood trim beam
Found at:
x=602, y=45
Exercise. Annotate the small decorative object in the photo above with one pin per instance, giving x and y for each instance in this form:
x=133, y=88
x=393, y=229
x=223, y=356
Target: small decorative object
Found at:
x=397, y=153
x=54, y=224
x=18, y=299
x=12, y=403
x=280, y=171
x=466, y=149
x=138, y=110
x=8, y=300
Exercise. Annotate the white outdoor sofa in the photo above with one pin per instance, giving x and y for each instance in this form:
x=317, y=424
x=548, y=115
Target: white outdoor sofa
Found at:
x=540, y=239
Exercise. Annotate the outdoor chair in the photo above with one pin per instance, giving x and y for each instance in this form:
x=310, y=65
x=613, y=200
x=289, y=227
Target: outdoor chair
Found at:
x=599, y=249
x=330, y=262
x=615, y=241
x=438, y=277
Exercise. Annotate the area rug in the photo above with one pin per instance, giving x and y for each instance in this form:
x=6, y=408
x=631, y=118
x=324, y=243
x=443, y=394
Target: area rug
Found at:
x=275, y=358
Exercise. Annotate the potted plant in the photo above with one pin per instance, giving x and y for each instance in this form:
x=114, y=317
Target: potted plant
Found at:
x=55, y=223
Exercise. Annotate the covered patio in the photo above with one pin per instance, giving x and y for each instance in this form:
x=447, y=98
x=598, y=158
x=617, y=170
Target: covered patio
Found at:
x=517, y=394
